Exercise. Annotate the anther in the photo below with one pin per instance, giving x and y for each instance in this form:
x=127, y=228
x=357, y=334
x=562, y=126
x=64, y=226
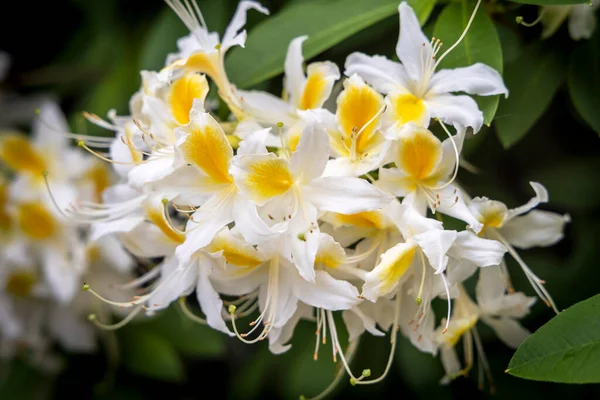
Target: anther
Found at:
x=366, y=373
x=302, y=237
x=280, y=124
x=231, y=309
x=419, y=301
x=91, y=317
x=85, y=287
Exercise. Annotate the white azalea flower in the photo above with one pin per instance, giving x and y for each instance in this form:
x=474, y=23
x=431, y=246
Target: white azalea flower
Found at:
x=301, y=92
x=202, y=51
x=415, y=91
x=581, y=19
x=522, y=228
x=425, y=172
x=296, y=190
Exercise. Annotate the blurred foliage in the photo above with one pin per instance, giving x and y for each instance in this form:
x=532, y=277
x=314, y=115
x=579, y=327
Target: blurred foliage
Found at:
x=546, y=130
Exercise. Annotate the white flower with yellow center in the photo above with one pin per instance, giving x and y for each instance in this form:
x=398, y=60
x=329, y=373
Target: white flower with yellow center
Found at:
x=424, y=174
x=426, y=243
x=495, y=308
x=522, y=228
x=295, y=190
x=415, y=91
x=581, y=19
x=201, y=50
x=354, y=133
x=301, y=92
x=268, y=281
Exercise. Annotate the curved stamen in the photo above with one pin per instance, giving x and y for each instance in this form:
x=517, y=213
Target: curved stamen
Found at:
x=456, y=153
x=188, y=313
x=118, y=325
x=447, y=288
x=462, y=36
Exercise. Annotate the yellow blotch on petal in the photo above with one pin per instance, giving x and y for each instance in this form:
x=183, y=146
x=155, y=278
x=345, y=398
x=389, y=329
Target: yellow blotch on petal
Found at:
x=36, y=221
x=293, y=138
x=457, y=328
x=235, y=252
x=208, y=148
x=157, y=216
x=408, y=108
x=330, y=254
x=5, y=220
x=394, y=263
x=357, y=106
x=182, y=94
x=18, y=154
x=492, y=214
x=20, y=283
x=268, y=178
x=419, y=154
x=313, y=93
x=365, y=219
x=100, y=179
x=206, y=63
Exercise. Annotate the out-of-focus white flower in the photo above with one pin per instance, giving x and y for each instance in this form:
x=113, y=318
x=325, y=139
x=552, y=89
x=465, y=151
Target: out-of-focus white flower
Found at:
x=582, y=19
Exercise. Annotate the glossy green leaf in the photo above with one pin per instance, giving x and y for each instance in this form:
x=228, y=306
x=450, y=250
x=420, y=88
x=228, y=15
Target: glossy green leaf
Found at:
x=532, y=81
x=566, y=349
x=584, y=80
x=325, y=22
x=480, y=44
x=550, y=2
x=188, y=337
x=149, y=354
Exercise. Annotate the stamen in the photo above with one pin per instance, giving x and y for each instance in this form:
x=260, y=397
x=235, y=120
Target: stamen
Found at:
x=188, y=313
x=456, y=153
x=519, y=20
x=423, y=273
x=118, y=325
x=462, y=36
x=447, y=288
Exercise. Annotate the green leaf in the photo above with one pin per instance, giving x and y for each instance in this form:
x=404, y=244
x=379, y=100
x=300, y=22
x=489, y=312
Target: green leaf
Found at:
x=584, y=80
x=188, y=337
x=481, y=44
x=532, y=81
x=566, y=349
x=149, y=354
x=326, y=23
x=550, y=2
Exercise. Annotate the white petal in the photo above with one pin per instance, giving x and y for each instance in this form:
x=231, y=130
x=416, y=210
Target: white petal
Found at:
x=384, y=75
x=266, y=108
x=477, y=79
x=285, y=301
x=357, y=322
x=490, y=288
x=508, y=330
x=254, y=142
x=435, y=244
x=541, y=196
x=176, y=280
x=309, y=160
x=147, y=240
x=279, y=336
x=191, y=186
x=455, y=206
x=456, y=110
x=450, y=363
x=481, y=252
x=346, y=195
x=10, y=325
x=447, y=164
x=72, y=332
x=251, y=225
x=49, y=129
x=326, y=292
x=233, y=36
x=115, y=255
x=582, y=21
x=205, y=223
x=413, y=46
x=303, y=238
x=535, y=229
x=209, y=300
x=61, y=273
x=294, y=73
x=154, y=169
x=120, y=225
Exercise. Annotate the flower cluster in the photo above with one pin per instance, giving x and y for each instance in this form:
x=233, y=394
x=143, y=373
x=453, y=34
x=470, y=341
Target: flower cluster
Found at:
x=290, y=210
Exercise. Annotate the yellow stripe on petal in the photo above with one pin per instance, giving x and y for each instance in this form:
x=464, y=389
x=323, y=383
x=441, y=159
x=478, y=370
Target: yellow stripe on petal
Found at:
x=457, y=328
x=357, y=106
x=330, y=254
x=36, y=221
x=5, y=220
x=157, y=216
x=317, y=88
x=419, y=154
x=100, y=179
x=394, y=263
x=208, y=148
x=206, y=63
x=18, y=154
x=235, y=252
x=268, y=178
x=182, y=94
x=365, y=219
x=408, y=108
